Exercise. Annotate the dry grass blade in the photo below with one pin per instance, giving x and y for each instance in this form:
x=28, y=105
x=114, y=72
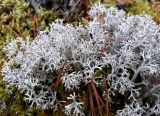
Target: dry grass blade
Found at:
x=106, y=93
x=91, y=101
x=96, y=95
x=36, y=30
x=103, y=22
x=59, y=81
x=15, y=31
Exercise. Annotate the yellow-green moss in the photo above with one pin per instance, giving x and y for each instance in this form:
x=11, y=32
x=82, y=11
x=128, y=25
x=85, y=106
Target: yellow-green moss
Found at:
x=143, y=7
x=136, y=7
x=17, y=15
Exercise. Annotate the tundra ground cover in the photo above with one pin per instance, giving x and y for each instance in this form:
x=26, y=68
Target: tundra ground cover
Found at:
x=115, y=55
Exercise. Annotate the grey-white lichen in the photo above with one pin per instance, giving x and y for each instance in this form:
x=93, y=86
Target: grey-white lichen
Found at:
x=125, y=43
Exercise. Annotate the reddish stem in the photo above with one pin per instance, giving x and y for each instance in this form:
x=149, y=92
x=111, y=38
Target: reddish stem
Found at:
x=91, y=101
x=96, y=95
x=36, y=29
x=59, y=81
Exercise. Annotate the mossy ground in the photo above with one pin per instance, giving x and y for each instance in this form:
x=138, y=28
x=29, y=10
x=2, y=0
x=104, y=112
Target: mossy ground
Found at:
x=137, y=7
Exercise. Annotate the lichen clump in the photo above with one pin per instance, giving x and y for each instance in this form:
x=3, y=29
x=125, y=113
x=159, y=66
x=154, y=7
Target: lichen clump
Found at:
x=114, y=49
x=17, y=20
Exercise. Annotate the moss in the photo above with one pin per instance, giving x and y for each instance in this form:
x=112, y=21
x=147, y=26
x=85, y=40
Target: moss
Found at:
x=143, y=7
x=17, y=20
x=136, y=7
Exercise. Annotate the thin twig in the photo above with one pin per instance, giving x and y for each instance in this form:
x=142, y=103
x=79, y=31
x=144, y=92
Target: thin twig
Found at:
x=91, y=101
x=96, y=95
x=59, y=81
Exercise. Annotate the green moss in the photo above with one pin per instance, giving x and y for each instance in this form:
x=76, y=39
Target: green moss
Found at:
x=143, y=7
x=137, y=7
x=17, y=20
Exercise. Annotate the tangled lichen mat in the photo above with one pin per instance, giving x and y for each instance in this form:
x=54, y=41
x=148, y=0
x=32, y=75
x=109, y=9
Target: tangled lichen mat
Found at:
x=114, y=59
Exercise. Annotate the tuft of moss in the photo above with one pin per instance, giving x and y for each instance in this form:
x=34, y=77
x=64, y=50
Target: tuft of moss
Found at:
x=16, y=19
x=135, y=7
x=144, y=7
